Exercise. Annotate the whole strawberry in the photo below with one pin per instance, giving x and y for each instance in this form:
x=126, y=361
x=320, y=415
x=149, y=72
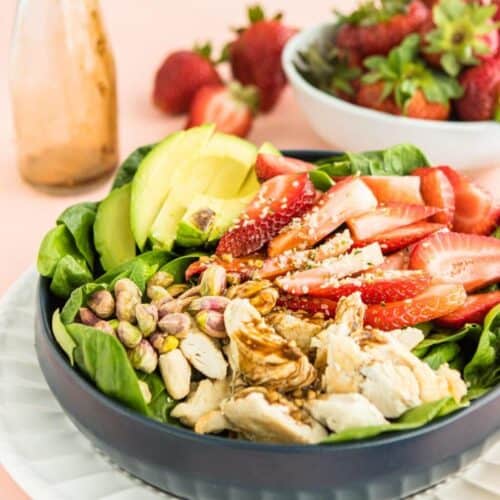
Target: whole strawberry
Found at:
x=403, y=81
x=179, y=77
x=255, y=56
x=377, y=28
x=481, y=99
x=462, y=34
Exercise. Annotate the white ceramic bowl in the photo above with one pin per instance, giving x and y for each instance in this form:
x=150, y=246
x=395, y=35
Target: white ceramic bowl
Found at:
x=464, y=145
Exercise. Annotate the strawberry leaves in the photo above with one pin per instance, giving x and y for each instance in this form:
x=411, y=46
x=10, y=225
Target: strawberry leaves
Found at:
x=370, y=13
x=403, y=73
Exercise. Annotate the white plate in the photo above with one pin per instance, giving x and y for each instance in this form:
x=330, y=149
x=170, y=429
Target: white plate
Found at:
x=49, y=458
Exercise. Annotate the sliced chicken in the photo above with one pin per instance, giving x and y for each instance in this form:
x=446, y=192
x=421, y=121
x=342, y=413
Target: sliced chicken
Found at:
x=339, y=412
x=207, y=396
x=212, y=422
x=259, y=355
x=293, y=328
x=176, y=373
x=266, y=416
x=204, y=354
x=409, y=337
x=392, y=388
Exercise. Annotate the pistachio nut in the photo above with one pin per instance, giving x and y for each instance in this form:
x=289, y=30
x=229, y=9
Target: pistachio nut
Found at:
x=213, y=280
x=147, y=318
x=177, y=324
x=129, y=335
x=87, y=317
x=211, y=323
x=208, y=303
x=102, y=303
x=143, y=357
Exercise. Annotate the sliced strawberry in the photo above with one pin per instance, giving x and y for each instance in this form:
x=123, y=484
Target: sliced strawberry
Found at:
x=475, y=210
x=278, y=201
x=401, y=237
x=231, y=108
x=310, y=305
x=378, y=287
x=434, y=302
x=386, y=218
x=474, y=310
x=346, y=199
x=468, y=259
x=437, y=191
x=295, y=260
x=395, y=188
x=397, y=261
x=269, y=165
x=244, y=267
x=331, y=270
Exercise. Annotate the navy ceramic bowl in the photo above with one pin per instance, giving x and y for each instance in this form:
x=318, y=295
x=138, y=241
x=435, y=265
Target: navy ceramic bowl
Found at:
x=188, y=465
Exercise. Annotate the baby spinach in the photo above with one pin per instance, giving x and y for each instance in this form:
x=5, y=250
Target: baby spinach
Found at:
x=129, y=167
x=483, y=370
x=442, y=353
x=161, y=403
x=57, y=243
x=412, y=419
x=397, y=160
x=79, y=219
x=178, y=266
x=70, y=272
x=63, y=338
x=103, y=359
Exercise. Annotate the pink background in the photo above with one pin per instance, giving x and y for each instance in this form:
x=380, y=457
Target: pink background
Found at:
x=141, y=33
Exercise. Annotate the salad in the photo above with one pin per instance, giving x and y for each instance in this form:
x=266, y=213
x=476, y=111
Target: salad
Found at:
x=426, y=59
x=239, y=292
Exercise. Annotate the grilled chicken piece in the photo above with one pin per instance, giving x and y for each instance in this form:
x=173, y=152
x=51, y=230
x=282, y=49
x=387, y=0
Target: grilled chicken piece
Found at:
x=392, y=388
x=259, y=355
x=293, y=328
x=263, y=415
x=176, y=373
x=339, y=412
x=207, y=396
x=204, y=354
x=409, y=337
x=212, y=422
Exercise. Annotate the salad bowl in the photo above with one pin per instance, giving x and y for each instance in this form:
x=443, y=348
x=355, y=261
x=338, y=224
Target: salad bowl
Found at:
x=189, y=465
x=464, y=145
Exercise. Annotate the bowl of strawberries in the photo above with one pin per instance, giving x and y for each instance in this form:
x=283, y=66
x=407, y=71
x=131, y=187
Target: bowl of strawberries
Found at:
x=404, y=71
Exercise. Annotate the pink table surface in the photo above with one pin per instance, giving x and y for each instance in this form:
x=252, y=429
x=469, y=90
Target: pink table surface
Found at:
x=141, y=34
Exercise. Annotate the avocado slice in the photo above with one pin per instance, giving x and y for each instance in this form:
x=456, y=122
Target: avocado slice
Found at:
x=252, y=184
x=162, y=168
x=113, y=237
x=208, y=218
x=219, y=171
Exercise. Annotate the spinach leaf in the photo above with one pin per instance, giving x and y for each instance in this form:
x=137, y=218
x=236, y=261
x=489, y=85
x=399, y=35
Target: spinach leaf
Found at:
x=412, y=419
x=483, y=370
x=55, y=245
x=178, y=266
x=77, y=299
x=62, y=336
x=129, y=167
x=397, y=160
x=470, y=330
x=104, y=360
x=321, y=180
x=70, y=272
x=79, y=219
x=442, y=353
x=161, y=403
x=142, y=264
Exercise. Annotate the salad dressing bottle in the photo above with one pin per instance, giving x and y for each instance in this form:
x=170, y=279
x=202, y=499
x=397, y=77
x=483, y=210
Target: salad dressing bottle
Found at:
x=62, y=82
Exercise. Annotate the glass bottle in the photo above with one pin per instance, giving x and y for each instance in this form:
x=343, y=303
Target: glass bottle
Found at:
x=63, y=91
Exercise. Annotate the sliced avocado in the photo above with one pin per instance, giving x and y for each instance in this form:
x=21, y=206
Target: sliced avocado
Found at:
x=219, y=170
x=161, y=169
x=252, y=184
x=113, y=237
x=208, y=218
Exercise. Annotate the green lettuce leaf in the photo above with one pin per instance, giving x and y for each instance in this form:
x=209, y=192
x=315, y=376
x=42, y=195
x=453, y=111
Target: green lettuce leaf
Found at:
x=442, y=353
x=57, y=243
x=178, y=266
x=77, y=299
x=63, y=338
x=70, y=272
x=103, y=359
x=397, y=160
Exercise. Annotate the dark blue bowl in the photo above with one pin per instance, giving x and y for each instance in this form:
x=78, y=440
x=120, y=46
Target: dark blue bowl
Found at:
x=188, y=465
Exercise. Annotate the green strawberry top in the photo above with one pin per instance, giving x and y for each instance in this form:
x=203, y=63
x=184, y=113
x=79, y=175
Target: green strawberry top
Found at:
x=403, y=73
x=370, y=12
x=459, y=33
